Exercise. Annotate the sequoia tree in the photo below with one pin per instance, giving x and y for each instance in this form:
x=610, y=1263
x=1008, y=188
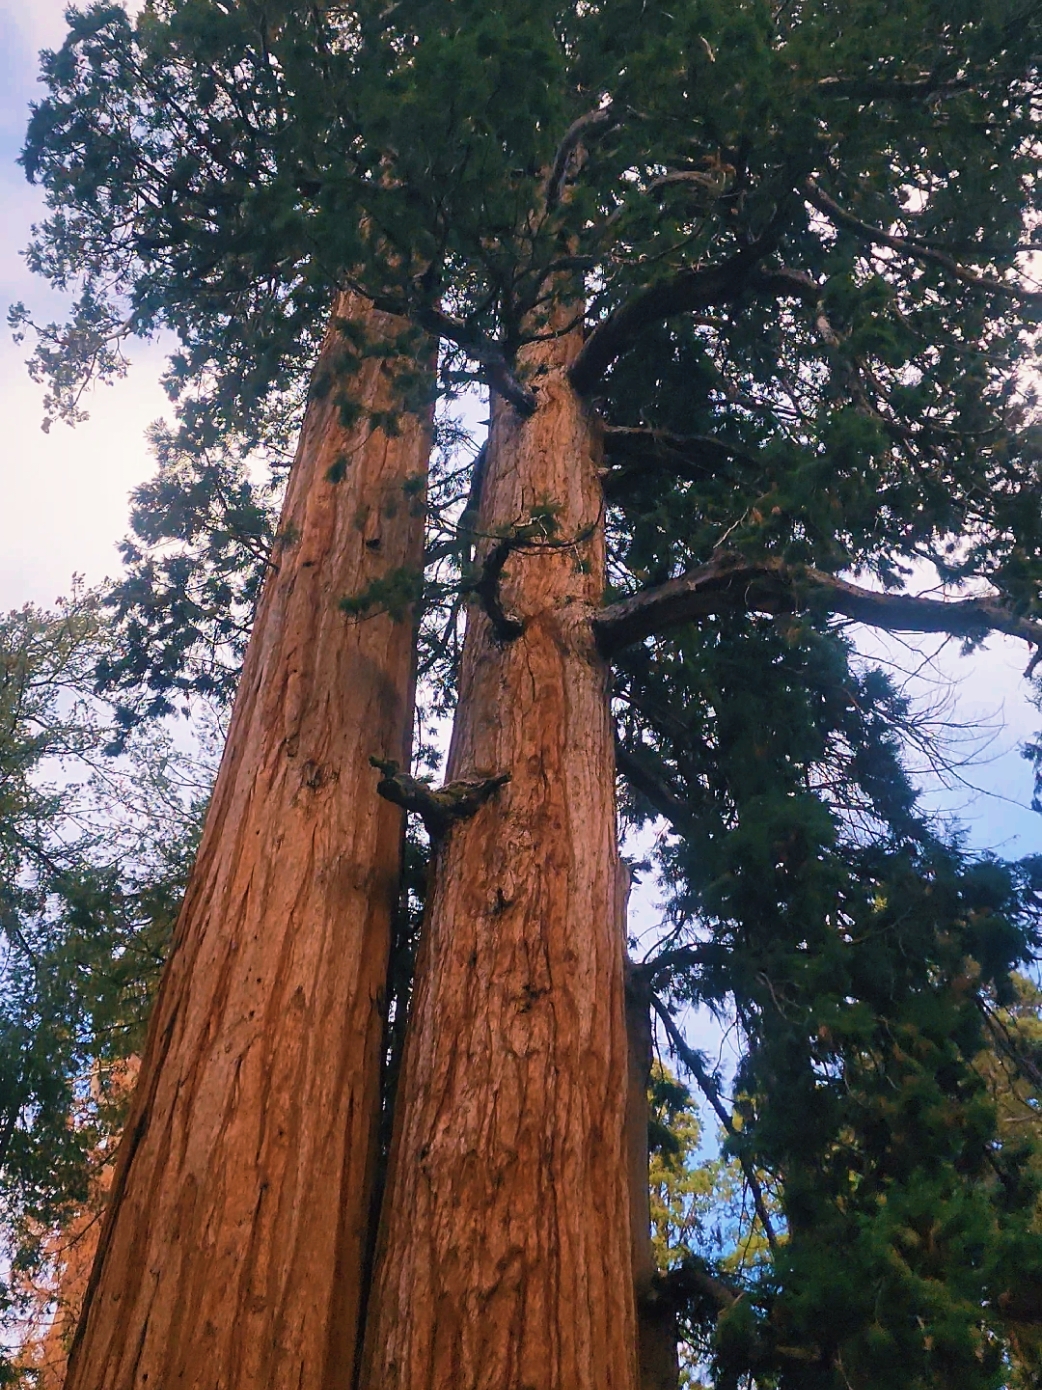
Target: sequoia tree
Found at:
x=261, y=1073
x=748, y=286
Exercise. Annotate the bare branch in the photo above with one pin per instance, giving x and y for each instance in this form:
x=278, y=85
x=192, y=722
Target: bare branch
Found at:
x=439, y=807
x=909, y=246
x=731, y=583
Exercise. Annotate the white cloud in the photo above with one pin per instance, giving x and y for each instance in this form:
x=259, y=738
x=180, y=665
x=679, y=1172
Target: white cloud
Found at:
x=63, y=495
x=39, y=23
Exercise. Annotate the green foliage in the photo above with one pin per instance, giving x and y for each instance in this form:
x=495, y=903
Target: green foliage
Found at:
x=861, y=958
x=202, y=535
x=219, y=170
x=93, y=858
x=394, y=593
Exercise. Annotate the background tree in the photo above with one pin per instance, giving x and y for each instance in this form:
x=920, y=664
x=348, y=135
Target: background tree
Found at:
x=95, y=855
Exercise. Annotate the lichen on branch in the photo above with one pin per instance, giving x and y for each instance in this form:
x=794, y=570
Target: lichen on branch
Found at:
x=438, y=807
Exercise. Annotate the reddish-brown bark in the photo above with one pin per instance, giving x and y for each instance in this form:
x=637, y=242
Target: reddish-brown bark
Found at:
x=233, y=1249
x=504, y=1255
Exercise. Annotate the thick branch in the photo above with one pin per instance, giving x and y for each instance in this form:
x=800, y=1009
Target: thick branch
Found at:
x=895, y=89
x=730, y=583
x=439, y=807
x=683, y=293
x=692, y=1282
x=782, y=282
x=468, y=520
x=651, y=785
x=909, y=246
x=497, y=369
x=681, y=958
x=593, y=122
x=686, y=292
x=498, y=372
x=689, y=456
x=505, y=626
x=692, y=1060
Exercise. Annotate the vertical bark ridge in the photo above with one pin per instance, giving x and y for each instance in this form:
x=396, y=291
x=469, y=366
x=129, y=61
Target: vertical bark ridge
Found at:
x=233, y=1248
x=504, y=1255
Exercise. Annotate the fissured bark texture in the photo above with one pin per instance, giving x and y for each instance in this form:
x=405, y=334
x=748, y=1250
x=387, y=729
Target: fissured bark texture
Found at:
x=234, y=1245
x=504, y=1254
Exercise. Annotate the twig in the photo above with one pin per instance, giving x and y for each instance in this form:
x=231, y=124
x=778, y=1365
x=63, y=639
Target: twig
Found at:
x=910, y=246
x=695, y=1065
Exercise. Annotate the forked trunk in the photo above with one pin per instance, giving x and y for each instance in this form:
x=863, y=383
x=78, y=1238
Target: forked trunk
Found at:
x=234, y=1245
x=504, y=1254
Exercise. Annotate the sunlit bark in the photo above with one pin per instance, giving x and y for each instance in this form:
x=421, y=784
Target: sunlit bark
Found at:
x=504, y=1256
x=233, y=1251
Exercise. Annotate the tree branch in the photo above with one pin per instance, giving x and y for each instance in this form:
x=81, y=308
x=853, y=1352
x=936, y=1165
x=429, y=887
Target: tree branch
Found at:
x=439, y=807
x=681, y=958
x=595, y=121
x=683, y=293
x=651, y=785
x=690, y=456
x=781, y=282
x=686, y=292
x=909, y=246
x=731, y=583
x=693, y=1061
x=505, y=626
x=893, y=89
x=691, y=1281
x=498, y=372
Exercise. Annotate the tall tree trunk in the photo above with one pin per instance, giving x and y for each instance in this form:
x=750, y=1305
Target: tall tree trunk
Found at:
x=504, y=1255
x=656, y=1318
x=234, y=1245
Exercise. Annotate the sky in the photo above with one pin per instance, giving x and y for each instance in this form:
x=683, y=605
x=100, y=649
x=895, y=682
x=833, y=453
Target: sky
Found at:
x=64, y=495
